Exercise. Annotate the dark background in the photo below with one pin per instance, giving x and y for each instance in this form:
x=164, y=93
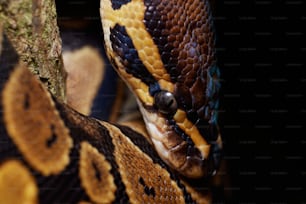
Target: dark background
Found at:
x=261, y=53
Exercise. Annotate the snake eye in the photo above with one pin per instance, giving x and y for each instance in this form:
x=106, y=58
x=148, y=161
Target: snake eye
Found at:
x=165, y=102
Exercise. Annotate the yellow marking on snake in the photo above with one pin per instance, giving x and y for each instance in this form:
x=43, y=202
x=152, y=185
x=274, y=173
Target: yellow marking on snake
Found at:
x=102, y=189
x=131, y=16
x=140, y=88
x=44, y=141
x=17, y=185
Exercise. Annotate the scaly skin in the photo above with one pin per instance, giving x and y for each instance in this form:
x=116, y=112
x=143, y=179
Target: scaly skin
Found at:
x=165, y=48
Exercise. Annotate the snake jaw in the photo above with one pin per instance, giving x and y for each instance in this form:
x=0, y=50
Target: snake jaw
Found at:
x=189, y=160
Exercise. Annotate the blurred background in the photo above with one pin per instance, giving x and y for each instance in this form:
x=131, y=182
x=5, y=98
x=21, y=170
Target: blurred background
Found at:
x=261, y=52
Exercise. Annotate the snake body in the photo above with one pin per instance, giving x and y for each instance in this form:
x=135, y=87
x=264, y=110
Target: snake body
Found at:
x=50, y=153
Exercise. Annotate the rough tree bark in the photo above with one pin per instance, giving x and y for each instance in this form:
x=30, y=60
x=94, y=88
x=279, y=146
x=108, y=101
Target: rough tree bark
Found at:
x=31, y=26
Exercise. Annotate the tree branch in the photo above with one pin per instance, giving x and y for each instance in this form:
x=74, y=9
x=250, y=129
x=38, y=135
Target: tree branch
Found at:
x=31, y=26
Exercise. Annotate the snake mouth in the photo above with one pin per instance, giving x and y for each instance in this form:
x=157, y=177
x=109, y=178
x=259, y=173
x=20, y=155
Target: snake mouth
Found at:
x=177, y=149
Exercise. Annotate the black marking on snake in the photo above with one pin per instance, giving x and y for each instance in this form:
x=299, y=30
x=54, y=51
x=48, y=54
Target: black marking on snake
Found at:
x=116, y=4
x=123, y=45
x=150, y=191
x=26, y=103
x=207, y=130
x=97, y=171
x=154, y=88
x=51, y=140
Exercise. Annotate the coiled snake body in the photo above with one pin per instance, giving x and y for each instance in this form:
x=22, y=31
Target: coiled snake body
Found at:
x=50, y=153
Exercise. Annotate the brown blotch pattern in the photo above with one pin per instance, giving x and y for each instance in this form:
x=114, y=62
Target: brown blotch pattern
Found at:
x=145, y=181
x=95, y=175
x=16, y=184
x=34, y=124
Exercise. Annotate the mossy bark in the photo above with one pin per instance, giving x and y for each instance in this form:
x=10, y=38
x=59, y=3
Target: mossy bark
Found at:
x=31, y=26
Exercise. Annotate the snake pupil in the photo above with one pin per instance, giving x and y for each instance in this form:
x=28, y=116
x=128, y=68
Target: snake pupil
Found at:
x=165, y=102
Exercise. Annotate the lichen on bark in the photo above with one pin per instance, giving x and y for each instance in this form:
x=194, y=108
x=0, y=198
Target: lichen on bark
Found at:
x=31, y=26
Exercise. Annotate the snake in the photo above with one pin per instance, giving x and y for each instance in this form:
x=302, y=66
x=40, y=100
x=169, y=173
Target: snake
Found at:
x=50, y=153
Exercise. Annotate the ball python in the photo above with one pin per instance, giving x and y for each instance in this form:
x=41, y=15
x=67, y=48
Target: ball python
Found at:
x=50, y=153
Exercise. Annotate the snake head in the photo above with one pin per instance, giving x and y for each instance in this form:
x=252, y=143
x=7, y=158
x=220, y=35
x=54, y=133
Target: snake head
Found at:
x=186, y=135
x=164, y=51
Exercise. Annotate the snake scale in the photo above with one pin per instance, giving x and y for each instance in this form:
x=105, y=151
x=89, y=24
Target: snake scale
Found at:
x=164, y=51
